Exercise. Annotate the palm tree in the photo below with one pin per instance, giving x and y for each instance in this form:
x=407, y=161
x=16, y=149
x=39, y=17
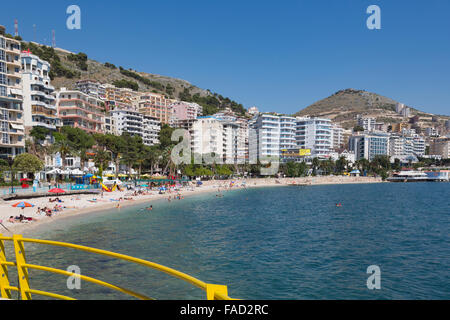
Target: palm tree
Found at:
x=63, y=146
x=143, y=154
x=101, y=159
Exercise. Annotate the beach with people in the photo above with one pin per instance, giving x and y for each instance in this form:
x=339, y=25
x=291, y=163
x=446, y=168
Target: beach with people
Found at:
x=51, y=209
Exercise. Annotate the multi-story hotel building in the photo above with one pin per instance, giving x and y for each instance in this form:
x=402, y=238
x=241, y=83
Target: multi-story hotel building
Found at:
x=12, y=141
x=287, y=132
x=92, y=88
x=39, y=101
x=337, y=137
x=314, y=134
x=406, y=145
x=269, y=134
x=156, y=106
x=121, y=98
x=440, y=146
x=181, y=110
x=135, y=123
x=79, y=110
x=235, y=135
x=150, y=131
x=264, y=137
x=368, y=146
x=367, y=123
x=207, y=138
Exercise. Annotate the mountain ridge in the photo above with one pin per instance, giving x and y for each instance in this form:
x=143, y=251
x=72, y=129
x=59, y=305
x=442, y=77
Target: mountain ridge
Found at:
x=344, y=105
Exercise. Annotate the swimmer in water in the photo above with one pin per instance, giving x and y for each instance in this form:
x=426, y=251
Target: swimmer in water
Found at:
x=338, y=205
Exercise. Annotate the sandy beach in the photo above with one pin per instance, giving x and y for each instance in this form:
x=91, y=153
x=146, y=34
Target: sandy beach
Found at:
x=82, y=204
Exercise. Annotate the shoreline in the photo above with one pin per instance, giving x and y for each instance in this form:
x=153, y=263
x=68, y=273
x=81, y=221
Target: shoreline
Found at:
x=86, y=205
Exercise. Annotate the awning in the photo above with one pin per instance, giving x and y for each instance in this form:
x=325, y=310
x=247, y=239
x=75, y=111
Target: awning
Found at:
x=16, y=126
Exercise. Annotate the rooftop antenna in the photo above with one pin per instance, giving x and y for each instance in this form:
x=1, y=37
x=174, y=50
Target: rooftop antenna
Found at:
x=16, y=28
x=53, y=39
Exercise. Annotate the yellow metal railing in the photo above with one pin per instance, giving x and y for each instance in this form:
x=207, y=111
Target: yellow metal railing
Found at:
x=213, y=291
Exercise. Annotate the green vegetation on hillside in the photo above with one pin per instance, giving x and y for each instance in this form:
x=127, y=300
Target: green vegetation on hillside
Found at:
x=148, y=82
x=126, y=84
x=80, y=59
x=213, y=103
x=48, y=54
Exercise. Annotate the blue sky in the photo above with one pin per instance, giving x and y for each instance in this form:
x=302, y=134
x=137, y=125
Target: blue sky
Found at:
x=280, y=56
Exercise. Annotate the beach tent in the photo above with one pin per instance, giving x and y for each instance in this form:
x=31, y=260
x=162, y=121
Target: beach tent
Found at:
x=54, y=171
x=355, y=173
x=76, y=172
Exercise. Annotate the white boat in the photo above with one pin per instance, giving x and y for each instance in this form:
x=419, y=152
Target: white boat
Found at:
x=408, y=176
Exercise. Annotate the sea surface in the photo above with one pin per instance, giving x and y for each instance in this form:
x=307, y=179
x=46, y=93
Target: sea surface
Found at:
x=264, y=243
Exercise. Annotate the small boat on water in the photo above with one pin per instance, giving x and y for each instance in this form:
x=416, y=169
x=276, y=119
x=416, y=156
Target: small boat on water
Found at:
x=408, y=176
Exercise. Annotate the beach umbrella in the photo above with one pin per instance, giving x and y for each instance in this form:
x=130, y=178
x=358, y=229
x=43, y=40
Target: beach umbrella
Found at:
x=23, y=205
x=56, y=190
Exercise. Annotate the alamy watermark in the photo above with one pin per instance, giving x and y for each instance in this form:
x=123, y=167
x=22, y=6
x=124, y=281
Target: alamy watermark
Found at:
x=374, y=280
x=74, y=282
x=374, y=20
x=74, y=20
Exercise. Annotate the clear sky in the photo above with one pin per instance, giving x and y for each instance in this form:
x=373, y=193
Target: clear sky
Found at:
x=278, y=55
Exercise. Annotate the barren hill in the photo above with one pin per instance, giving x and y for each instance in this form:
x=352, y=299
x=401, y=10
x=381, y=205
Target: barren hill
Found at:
x=343, y=107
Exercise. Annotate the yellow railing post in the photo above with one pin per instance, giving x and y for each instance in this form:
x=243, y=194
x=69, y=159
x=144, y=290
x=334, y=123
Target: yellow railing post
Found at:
x=4, y=280
x=22, y=271
x=212, y=289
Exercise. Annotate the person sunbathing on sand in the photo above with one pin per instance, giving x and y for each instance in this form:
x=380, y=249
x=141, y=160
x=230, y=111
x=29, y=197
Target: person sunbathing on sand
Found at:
x=11, y=219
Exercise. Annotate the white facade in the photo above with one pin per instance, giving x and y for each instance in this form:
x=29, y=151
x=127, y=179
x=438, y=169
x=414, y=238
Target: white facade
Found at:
x=150, y=131
x=207, y=138
x=337, y=137
x=12, y=131
x=406, y=145
x=135, y=123
x=39, y=101
x=92, y=88
x=264, y=136
x=367, y=146
x=366, y=122
x=314, y=134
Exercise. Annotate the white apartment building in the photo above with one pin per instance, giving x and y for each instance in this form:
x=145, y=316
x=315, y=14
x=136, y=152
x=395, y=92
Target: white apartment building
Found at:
x=337, y=137
x=287, y=132
x=264, y=137
x=12, y=130
x=135, y=123
x=314, y=134
x=150, y=131
x=110, y=125
x=92, y=88
x=367, y=146
x=207, y=138
x=367, y=123
x=237, y=128
x=39, y=101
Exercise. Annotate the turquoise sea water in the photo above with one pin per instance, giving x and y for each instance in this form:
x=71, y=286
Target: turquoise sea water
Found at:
x=266, y=243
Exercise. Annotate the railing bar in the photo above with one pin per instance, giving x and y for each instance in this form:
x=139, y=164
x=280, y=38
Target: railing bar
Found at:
x=89, y=279
x=49, y=294
x=153, y=265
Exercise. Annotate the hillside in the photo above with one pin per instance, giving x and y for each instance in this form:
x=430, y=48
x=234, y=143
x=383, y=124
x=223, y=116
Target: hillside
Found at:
x=67, y=68
x=343, y=107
